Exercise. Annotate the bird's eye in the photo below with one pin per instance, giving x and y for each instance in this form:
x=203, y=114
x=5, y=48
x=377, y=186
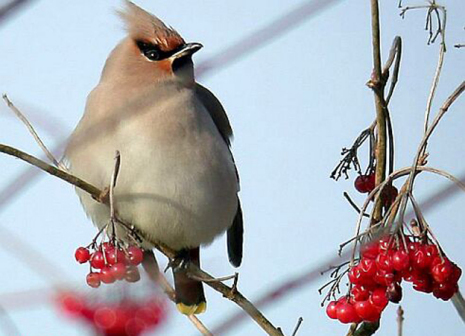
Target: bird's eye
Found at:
x=152, y=54
x=151, y=51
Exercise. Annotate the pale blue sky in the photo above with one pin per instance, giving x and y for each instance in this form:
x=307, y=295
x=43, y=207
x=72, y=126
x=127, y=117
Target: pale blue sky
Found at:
x=293, y=105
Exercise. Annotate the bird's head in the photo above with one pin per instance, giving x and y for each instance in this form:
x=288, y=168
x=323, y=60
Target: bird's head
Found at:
x=151, y=52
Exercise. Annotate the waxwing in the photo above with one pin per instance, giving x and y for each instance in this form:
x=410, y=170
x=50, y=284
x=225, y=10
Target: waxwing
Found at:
x=177, y=183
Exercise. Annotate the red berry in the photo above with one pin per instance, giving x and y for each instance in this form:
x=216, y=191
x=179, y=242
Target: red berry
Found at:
x=431, y=250
x=385, y=278
x=383, y=262
x=412, y=247
x=132, y=274
x=118, y=270
x=135, y=326
x=82, y=255
x=384, y=244
x=422, y=282
x=406, y=274
x=367, y=267
x=400, y=260
x=379, y=299
x=115, y=256
x=93, y=280
x=136, y=255
x=359, y=292
x=367, y=311
x=420, y=258
x=442, y=270
x=358, y=277
x=72, y=303
x=151, y=314
x=445, y=291
x=331, y=310
x=456, y=273
x=105, y=318
x=365, y=183
x=97, y=260
x=346, y=313
x=369, y=250
x=394, y=292
x=106, y=275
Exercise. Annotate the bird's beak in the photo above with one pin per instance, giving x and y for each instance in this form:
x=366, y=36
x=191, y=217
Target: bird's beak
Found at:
x=188, y=50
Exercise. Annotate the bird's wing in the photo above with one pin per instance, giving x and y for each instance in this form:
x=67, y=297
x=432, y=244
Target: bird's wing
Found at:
x=218, y=114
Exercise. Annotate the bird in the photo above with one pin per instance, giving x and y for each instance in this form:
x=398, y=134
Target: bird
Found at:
x=178, y=182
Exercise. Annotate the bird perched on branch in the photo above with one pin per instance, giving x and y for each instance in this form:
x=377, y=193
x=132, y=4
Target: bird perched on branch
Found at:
x=177, y=183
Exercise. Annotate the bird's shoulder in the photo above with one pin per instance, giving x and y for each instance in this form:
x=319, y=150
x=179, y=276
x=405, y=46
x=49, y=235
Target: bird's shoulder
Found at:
x=216, y=111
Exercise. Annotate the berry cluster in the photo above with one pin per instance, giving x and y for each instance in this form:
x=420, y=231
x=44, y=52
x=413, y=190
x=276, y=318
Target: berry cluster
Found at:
x=376, y=279
x=109, y=263
x=129, y=317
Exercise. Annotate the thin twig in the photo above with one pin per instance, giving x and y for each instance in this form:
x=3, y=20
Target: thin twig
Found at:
x=434, y=86
x=352, y=203
x=422, y=147
x=221, y=279
x=400, y=320
x=296, y=329
x=33, y=132
x=394, y=54
x=93, y=191
x=114, y=177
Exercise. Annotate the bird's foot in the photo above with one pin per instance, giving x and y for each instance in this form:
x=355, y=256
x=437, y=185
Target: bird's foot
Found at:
x=185, y=309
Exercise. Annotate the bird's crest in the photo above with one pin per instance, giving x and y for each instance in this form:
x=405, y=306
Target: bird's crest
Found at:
x=142, y=25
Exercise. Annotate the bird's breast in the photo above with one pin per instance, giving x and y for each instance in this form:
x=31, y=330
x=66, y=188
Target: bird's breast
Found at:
x=177, y=179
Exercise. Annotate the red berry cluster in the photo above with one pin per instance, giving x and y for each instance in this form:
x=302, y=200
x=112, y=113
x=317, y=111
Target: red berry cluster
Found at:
x=110, y=263
x=376, y=279
x=128, y=317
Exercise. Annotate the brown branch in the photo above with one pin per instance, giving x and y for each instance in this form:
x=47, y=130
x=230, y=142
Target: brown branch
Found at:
x=377, y=83
x=227, y=292
x=93, y=191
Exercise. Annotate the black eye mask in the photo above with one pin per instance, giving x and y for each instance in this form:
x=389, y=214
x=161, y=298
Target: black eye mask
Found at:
x=154, y=53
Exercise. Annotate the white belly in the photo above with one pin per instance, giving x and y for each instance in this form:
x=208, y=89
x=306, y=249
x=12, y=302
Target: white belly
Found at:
x=177, y=180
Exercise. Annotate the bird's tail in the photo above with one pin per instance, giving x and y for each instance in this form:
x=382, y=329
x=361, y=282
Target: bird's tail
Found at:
x=190, y=298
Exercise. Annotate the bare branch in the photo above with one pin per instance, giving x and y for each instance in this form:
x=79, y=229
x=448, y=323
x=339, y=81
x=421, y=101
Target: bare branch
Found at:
x=33, y=132
x=400, y=320
x=228, y=292
x=299, y=323
x=459, y=304
x=377, y=83
x=93, y=191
